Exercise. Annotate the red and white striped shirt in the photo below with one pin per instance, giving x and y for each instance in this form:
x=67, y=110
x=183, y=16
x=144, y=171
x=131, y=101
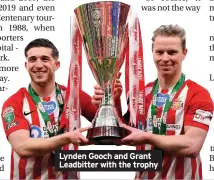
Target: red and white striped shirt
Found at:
x=192, y=106
x=20, y=112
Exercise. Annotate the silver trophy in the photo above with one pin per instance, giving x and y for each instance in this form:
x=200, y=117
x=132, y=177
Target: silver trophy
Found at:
x=103, y=27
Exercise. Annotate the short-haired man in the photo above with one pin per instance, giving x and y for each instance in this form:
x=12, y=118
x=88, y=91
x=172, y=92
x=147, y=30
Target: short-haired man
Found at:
x=178, y=111
x=31, y=117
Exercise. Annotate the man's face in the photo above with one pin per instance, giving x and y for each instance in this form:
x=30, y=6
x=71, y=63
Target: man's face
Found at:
x=168, y=55
x=41, y=65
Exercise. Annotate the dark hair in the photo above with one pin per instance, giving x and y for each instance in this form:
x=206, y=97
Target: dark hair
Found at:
x=170, y=30
x=41, y=42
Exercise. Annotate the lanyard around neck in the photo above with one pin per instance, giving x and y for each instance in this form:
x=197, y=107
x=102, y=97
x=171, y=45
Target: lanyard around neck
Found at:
x=161, y=128
x=44, y=114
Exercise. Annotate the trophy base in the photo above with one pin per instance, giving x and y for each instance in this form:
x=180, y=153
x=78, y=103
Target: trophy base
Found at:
x=107, y=135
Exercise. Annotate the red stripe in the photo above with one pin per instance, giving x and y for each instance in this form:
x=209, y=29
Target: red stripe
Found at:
x=200, y=171
x=50, y=168
x=22, y=166
x=65, y=175
x=193, y=164
x=167, y=160
x=37, y=168
x=12, y=165
x=50, y=172
x=179, y=168
x=151, y=174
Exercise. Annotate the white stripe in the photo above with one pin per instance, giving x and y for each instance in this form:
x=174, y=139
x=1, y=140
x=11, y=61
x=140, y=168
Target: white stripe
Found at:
x=187, y=168
x=198, y=162
x=26, y=108
x=171, y=171
x=145, y=175
x=149, y=120
x=158, y=175
x=141, y=176
x=179, y=116
x=16, y=165
x=71, y=175
x=29, y=168
x=59, y=177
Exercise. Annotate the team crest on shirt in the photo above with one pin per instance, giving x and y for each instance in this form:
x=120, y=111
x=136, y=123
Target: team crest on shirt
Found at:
x=177, y=104
x=161, y=99
x=49, y=107
x=8, y=114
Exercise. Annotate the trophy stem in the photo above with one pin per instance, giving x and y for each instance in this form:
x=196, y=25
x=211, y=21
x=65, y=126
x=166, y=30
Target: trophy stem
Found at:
x=107, y=99
x=106, y=128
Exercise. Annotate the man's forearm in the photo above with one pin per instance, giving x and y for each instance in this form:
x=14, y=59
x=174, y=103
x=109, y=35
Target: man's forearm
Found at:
x=179, y=145
x=41, y=146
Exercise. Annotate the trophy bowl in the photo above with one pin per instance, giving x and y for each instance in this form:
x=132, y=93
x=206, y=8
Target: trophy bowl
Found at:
x=103, y=27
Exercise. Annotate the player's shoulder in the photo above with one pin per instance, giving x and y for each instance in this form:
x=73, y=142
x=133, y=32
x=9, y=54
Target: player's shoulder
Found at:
x=150, y=84
x=15, y=101
x=195, y=87
x=148, y=87
x=16, y=97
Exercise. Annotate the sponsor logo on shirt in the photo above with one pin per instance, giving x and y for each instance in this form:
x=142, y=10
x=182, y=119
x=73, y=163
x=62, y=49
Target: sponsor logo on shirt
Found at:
x=173, y=127
x=49, y=107
x=54, y=128
x=161, y=99
x=202, y=116
x=38, y=132
x=177, y=104
x=35, y=131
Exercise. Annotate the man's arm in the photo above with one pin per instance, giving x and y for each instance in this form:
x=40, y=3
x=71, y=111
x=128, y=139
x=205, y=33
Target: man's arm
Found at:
x=188, y=144
x=27, y=147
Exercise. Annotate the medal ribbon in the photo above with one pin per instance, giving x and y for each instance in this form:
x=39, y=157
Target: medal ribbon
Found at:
x=162, y=129
x=42, y=111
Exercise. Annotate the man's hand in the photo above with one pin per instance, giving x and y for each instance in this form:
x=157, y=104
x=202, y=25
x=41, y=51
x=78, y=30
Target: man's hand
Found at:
x=118, y=88
x=135, y=138
x=76, y=138
x=99, y=94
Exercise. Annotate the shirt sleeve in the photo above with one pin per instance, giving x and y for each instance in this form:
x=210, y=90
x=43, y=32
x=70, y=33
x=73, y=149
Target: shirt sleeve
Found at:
x=200, y=110
x=88, y=110
x=12, y=115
